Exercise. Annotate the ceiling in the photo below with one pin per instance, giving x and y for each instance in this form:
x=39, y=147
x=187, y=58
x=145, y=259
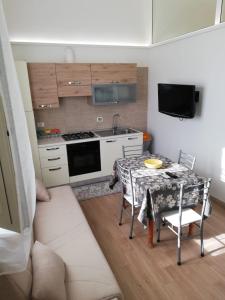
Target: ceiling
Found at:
x=100, y=22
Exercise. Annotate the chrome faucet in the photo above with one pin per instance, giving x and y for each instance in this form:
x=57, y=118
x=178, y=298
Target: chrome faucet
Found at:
x=115, y=122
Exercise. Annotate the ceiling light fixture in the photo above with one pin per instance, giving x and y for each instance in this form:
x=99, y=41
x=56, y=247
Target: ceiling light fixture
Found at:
x=81, y=43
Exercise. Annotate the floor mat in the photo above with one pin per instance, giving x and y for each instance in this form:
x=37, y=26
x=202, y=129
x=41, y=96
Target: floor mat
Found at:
x=95, y=190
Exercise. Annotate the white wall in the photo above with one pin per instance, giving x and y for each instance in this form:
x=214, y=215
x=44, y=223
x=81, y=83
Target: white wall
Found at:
x=196, y=60
x=79, y=21
x=56, y=53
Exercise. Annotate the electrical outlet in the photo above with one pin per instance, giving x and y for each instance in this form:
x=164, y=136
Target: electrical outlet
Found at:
x=40, y=124
x=99, y=119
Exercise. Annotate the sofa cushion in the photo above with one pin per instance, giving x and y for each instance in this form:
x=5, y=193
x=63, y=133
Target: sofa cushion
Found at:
x=48, y=274
x=41, y=191
x=16, y=286
x=62, y=226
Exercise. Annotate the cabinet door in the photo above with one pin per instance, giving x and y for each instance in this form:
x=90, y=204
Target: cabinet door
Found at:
x=134, y=140
x=73, y=79
x=104, y=94
x=54, y=176
x=113, y=73
x=43, y=85
x=111, y=149
x=125, y=93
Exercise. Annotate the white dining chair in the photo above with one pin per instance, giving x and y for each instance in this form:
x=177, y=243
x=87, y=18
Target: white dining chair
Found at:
x=132, y=151
x=128, y=196
x=186, y=160
x=184, y=216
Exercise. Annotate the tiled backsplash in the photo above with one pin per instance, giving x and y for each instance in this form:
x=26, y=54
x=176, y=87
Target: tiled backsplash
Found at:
x=75, y=114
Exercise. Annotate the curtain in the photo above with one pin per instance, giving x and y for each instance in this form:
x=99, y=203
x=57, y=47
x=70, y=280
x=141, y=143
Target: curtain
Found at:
x=15, y=247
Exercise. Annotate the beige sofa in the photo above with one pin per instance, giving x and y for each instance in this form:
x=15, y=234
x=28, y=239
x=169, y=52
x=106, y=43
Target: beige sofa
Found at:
x=61, y=225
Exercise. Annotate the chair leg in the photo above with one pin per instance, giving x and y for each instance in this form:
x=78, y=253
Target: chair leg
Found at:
x=179, y=248
x=121, y=212
x=158, y=228
x=132, y=224
x=202, y=243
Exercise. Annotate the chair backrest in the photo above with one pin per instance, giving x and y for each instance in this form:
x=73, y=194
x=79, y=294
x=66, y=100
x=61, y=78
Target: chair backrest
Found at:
x=195, y=191
x=187, y=160
x=132, y=151
x=125, y=176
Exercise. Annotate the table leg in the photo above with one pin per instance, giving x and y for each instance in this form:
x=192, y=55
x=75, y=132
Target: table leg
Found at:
x=190, y=229
x=150, y=233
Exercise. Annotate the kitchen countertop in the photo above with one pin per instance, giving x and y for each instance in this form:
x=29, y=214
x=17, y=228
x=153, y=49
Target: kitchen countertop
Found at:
x=56, y=141
x=51, y=141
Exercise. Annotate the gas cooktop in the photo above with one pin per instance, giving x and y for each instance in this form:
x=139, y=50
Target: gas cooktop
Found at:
x=78, y=135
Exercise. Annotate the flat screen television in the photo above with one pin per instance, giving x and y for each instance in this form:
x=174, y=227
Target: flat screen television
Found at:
x=177, y=100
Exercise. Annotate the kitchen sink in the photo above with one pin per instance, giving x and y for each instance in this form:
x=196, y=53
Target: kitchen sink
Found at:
x=118, y=131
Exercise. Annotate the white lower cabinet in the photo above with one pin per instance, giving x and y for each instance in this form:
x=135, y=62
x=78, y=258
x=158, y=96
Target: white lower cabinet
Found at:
x=54, y=161
x=133, y=140
x=112, y=149
x=54, y=165
x=54, y=176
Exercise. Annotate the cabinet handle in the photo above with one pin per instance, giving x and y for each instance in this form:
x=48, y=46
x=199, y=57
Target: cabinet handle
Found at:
x=44, y=105
x=55, y=169
x=50, y=149
x=111, y=141
x=51, y=159
x=74, y=82
x=132, y=138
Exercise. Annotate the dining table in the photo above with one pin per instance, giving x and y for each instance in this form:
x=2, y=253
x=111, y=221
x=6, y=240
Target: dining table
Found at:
x=156, y=191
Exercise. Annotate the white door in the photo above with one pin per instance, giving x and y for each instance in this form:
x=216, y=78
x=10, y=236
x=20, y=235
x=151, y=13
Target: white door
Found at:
x=4, y=209
x=9, y=212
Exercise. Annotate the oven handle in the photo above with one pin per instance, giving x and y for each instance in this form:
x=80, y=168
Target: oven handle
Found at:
x=55, y=169
x=111, y=141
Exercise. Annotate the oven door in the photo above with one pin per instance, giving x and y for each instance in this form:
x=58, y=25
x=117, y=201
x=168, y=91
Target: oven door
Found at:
x=83, y=158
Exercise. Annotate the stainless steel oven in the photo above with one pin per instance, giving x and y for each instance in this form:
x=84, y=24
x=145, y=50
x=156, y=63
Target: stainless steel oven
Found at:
x=84, y=158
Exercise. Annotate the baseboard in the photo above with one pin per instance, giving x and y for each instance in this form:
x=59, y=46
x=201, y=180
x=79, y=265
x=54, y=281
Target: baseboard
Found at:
x=90, y=181
x=218, y=201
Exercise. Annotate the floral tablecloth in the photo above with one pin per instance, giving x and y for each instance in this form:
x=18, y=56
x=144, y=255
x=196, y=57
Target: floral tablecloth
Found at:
x=154, y=190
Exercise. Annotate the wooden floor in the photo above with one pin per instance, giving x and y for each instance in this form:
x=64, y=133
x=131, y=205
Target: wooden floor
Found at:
x=145, y=273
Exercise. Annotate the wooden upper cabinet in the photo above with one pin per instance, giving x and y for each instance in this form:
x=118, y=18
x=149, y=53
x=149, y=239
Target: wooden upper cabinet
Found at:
x=113, y=73
x=73, y=79
x=43, y=85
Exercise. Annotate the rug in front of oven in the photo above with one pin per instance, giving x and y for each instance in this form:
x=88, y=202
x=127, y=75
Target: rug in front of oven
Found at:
x=95, y=190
